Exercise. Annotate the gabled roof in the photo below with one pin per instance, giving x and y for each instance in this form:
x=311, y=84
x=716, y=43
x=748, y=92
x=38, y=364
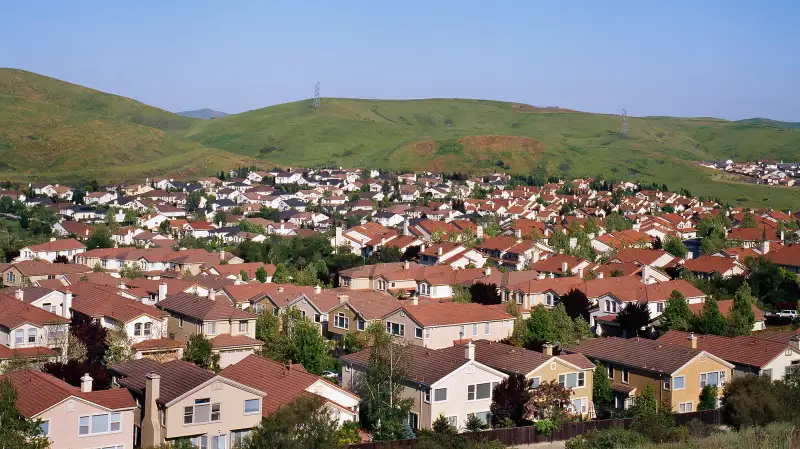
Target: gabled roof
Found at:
x=426, y=366
x=452, y=313
x=14, y=313
x=97, y=301
x=788, y=256
x=511, y=359
x=42, y=268
x=202, y=308
x=725, y=307
x=641, y=256
x=57, y=245
x=745, y=350
x=177, y=377
x=710, y=264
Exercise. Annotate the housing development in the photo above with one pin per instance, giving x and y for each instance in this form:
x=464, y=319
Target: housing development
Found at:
x=189, y=310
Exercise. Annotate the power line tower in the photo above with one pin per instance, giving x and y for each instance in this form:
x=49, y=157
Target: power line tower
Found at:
x=315, y=103
x=624, y=131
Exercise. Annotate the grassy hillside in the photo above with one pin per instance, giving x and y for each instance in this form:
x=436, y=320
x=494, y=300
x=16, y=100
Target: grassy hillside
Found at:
x=50, y=129
x=769, y=122
x=205, y=114
x=407, y=135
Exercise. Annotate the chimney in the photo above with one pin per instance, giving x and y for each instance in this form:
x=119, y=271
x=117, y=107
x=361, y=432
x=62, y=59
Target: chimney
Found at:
x=580, y=273
x=121, y=285
x=794, y=342
x=564, y=267
x=86, y=383
x=414, y=300
x=52, y=239
x=405, y=227
x=162, y=291
x=19, y=294
x=343, y=299
x=518, y=233
x=689, y=255
x=646, y=273
x=222, y=254
x=439, y=250
x=782, y=236
x=764, y=247
x=422, y=248
x=541, y=275
x=317, y=289
x=406, y=265
x=67, y=305
x=547, y=349
x=487, y=271
x=479, y=232
x=280, y=289
x=692, y=340
x=151, y=424
x=212, y=294
x=469, y=351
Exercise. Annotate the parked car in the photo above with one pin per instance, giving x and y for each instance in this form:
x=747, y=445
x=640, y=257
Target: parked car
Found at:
x=791, y=314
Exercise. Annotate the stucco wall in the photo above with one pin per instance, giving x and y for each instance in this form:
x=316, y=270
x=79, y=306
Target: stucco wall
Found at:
x=64, y=419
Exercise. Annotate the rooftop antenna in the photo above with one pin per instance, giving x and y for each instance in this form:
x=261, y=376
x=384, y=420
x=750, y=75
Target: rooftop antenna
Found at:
x=624, y=131
x=315, y=103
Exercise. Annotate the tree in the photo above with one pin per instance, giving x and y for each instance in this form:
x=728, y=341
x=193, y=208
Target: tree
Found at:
x=119, y=346
x=576, y=304
x=632, y=318
x=381, y=386
x=193, y=200
x=93, y=336
x=132, y=271
x=675, y=246
x=461, y=294
x=243, y=276
x=676, y=315
x=307, y=276
x=100, y=237
x=72, y=371
x=281, y=275
x=539, y=328
x=220, y=218
x=741, y=317
x=654, y=422
x=198, y=351
x=441, y=426
x=130, y=216
x=268, y=330
x=306, y=345
x=559, y=242
x=474, y=423
x=548, y=401
x=305, y=423
x=751, y=401
x=748, y=220
x=710, y=321
x=508, y=400
x=261, y=274
x=485, y=294
x=164, y=227
x=708, y=398
x=563, y=326
x=602, y=392
x=16, y=431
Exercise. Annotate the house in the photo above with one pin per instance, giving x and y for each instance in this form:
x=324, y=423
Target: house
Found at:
x=653, y=257
x=725, y=306
x=77, y=229
x=359, y=278
x=707, y=266
x=436, y=325
x=234, y=271
x=787, y=257
x=74, y=417
x=450, y=254
x=439, y=383
x=99, y=197
x=285, y=383
x=28, y=272
x=232, y=331
x=573, y=371
x=31, y=329
x=562, y=265
x=343, y=313
x=49, y=251
x=180, y=400
x=677, y=374
x=748, y=354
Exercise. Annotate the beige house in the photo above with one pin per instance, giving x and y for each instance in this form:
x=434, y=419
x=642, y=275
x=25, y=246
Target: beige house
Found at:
x=75, y=417
x=179, y=400
x=28, y=272
x=435, y=325
x=439, y=383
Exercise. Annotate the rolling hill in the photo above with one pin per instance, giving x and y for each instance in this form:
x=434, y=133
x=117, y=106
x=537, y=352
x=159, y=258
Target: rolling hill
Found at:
x=57, y=131
x=770, y=122
x=54, y=130
x=204, y=114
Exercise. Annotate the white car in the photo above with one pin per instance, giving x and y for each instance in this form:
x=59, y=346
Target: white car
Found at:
x=330, y=375
x=787, y=314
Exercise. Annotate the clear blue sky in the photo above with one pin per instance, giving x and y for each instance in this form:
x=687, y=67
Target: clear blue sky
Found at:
x=730, y=59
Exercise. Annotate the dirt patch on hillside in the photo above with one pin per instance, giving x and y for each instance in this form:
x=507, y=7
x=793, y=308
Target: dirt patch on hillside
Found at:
x=500, y=143
x=477, y=153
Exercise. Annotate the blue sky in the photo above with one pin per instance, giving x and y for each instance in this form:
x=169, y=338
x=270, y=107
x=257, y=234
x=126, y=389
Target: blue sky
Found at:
x=731, y=59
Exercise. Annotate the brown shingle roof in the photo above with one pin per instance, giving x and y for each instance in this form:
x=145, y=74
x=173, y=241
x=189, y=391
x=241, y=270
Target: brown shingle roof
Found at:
x=41, y=268
x=426, y=366
x=14, y=313
x=58, y=245
x=743, y=350
x=177, y=376
x=511, y=359
x=202, y=308
x=448, y=313
x=97, y=301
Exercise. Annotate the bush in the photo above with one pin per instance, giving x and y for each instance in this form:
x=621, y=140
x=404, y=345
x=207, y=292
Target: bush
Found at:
x=612, y=438
x=751, y=401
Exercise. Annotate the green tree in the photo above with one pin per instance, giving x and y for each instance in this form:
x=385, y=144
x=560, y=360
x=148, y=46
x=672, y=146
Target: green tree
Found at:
x=198, y=351
x=508, y=400
x=748, y=220
x=306, y=345
x=119, y=346
x=632, y=318
x=602, y=392
x=281, y=275
x=563, y=326
x=220, y=218
x=268, y=330
x=677, y=314
x=675, y=246
x=582, y=330
x=16, y=432
x=130, y=216
x=741, y=317
x=539, y=327
x=461, y=294
x=711, y=321
x=307, y=276
x=708, y=398
x=492, y=229
x=305, y=423
x=100, y=237
x=193, y=201
x=261, y=274
x=559, y=242
x=243, y=276
x=164, y=228
x=441, y=426
x=132, y=271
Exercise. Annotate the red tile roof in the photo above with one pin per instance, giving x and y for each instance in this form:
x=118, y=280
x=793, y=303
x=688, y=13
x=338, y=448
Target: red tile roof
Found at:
x=177, y=376
x=725, y=307
x=34, y=352
x=57, y=245
x=449, y=313
x=710, y=264
x=788, y=256
x=98, y=301
x=203, y=308
x=14, y=313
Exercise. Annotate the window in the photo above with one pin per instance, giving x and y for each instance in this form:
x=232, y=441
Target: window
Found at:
x=45, y=426
x=137, y=329
x=624, y=375
x=712, y=378
x=396, y=328
x=237, y=437
x=275, y=310
x=200, y=442
x=475, y=330
x=427, y=397
x=486, y=328
x=479, y=391
x=677, y=383
x=413, y=420
x=417, y=332
x=341, y=321
x=104, y=423
x=440, y=395
x=31, y=335
x=361, y=324
x=485, y=417
x=180, y=321
x=578, y=406
x=519, y=298
x=534, y=382
x=49, y=307
x=453, y=421
x=211, y=328
x=11, y=276
x=660, y=307
x=685, y=407
x=252, y=406
x=317, y=318
x=203, y=411
x=572, y=380
x=666, y=384
x=19, y=336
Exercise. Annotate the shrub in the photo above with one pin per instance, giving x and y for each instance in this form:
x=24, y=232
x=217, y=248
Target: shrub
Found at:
x=545, y=427
x=612, y=438
x=751, y=401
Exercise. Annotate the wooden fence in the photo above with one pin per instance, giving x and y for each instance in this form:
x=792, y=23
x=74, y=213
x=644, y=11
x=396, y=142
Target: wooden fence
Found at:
x=528, y=435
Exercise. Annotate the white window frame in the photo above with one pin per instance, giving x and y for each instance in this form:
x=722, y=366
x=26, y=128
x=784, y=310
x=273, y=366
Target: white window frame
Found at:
x=474, y=392
x=624, y=375
x=45, y=426
x=341, y=321
x=203, y=402
x=137, y=329
x=446, y=393
x=721, y=378
x=418, y=333
x=538, y=380
x=486, y=328
x=682, y=404
x=243, y=325
x=427, y=333
x=584, y=405
x=401, y=329
x=210, y=328
x=19, y=336
x=667, y=384
x=31, y=333
x=257, y=410
x=580, y=379
x=110, y=420
x=474, y=329
x=675, y=383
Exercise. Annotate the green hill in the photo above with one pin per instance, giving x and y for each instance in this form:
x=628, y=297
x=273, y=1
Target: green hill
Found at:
x=408, y=135
x=54, y=130
x=774, y=123
x=205, y=114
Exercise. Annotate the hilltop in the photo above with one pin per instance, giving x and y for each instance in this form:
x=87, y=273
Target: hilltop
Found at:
x=409, y=135
x=54, y=130
x=203, y=114
x=770, y=122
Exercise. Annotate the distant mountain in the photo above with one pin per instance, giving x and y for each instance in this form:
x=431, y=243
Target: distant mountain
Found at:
x=773, y=123
x=205, y=114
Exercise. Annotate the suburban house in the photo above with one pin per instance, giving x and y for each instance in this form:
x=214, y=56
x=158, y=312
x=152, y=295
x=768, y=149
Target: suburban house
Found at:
x=748, y=354
x=676, y=373
x=28, y=272
x=725, y=307
x=708, y=266
x=232, y=331
x=49, y=251
x=29, y=331
x=787, y=257
x=75, y=417
x=234, y=271
x=285, y=383
x=179, y=400
x=53, y=301
x=360, y=278
x=439, y=384
x=435, y=325
x=573, y=371
x=344, y=314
